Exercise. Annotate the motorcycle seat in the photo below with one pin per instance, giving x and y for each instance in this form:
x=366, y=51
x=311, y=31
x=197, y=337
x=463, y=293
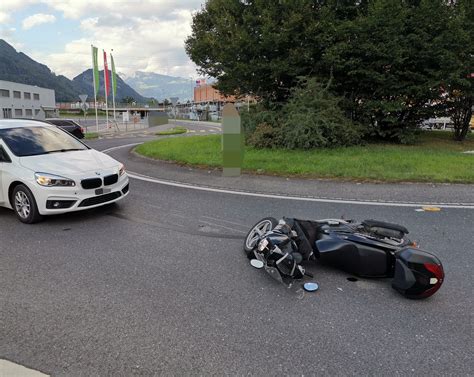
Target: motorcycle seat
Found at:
x=382, y=224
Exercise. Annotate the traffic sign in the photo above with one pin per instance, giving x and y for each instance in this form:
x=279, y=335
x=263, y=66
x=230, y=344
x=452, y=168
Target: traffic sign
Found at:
x=174, y=100
x=83, y=97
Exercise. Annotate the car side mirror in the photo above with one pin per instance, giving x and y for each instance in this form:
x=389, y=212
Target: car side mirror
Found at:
x=4, y=156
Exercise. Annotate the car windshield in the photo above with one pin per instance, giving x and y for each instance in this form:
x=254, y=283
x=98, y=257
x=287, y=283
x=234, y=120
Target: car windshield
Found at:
x=32, y=141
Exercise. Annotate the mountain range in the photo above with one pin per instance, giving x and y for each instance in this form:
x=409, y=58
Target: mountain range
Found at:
x=84, y=84
x=18, y=67
x=161, y=86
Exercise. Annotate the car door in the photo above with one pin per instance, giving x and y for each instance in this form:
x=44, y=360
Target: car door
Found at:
x=3, y=160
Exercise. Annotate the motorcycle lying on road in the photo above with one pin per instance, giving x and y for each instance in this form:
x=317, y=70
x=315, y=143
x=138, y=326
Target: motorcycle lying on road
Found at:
x=369, y=248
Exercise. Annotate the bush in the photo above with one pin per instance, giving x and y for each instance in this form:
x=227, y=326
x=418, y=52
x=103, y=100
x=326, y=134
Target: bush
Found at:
x=259, y=115
x=312, y=118
x=264, y=136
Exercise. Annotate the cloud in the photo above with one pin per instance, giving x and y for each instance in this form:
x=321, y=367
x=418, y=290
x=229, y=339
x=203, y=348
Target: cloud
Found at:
x=37, y=19
x=8, y=33
x=7, y=7
x=146, y=35
x=135, y=8
x=149, y=41
x=4, y=18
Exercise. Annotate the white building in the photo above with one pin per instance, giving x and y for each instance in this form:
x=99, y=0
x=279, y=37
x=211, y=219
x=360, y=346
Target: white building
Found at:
x=25, y=101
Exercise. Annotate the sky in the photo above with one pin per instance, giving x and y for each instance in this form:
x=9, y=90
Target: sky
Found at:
x=145, y=35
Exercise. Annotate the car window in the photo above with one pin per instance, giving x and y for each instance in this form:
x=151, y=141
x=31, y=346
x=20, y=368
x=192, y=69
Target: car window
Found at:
x=31, y=141
x=60, y=123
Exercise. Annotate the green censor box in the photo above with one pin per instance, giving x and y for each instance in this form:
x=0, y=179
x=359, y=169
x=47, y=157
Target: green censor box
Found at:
x=232, y=142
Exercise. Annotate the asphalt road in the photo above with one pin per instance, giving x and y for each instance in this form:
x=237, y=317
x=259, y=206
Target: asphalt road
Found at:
x=159, y=285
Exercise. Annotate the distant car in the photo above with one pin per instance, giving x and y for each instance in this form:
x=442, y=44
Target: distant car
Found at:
x=68, y=125
x=44, y=171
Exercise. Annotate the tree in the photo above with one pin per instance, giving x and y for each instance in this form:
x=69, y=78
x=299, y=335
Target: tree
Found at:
x=128, y=100
x=458, y=83
x=389, y=60
x=258, y=47
x=393, y=65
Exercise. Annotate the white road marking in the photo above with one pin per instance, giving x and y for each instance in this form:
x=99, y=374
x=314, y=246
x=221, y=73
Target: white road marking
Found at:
x=284, y=197
x=145, y=178
x=9, y=369
x=120, y=147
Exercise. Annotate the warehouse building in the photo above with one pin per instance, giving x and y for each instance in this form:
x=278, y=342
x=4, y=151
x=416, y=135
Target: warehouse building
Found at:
x=26, y=101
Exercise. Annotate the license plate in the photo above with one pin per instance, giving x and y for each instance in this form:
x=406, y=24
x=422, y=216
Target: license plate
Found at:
x=101, y=191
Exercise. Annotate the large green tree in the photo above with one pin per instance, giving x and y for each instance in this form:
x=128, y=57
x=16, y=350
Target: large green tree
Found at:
x=388, y=64
x=458, y=60
x=259, y=47
x=394, y=62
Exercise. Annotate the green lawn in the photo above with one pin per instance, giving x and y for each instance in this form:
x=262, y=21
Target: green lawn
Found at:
x=91, y=135
x=435, y=158
x=172, y=131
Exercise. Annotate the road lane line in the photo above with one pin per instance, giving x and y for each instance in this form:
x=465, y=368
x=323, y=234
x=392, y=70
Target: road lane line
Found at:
x=145, y=178
x=289, y=197
x=120, y=147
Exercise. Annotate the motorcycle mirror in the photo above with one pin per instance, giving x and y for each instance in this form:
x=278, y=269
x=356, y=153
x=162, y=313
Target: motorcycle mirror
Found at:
x=256, y=263
x=310, y=287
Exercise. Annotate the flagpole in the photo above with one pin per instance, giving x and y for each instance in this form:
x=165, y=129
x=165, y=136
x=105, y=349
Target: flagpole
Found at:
x=113, y=80
x=95, y=92
x=105, y=90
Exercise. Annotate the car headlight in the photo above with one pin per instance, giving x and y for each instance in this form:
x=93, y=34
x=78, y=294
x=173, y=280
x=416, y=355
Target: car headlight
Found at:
x=121, y=170
x=49, y=180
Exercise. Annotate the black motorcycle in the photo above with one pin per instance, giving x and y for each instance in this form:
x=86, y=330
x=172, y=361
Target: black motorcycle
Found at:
x=369, y=248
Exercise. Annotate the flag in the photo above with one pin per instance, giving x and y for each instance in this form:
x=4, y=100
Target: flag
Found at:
x=114, y=76
x=106, y=76
x=95, y=71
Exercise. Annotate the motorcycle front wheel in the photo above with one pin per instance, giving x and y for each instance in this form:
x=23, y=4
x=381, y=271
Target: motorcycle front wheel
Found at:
x=258, y=230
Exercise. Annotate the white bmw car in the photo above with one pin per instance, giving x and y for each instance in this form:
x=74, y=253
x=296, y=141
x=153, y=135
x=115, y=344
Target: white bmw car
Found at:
x=45, y=171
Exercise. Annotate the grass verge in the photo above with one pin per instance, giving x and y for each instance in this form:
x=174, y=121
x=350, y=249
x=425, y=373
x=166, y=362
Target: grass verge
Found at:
x=172, y=131
x=435, y=158
x=91, y=135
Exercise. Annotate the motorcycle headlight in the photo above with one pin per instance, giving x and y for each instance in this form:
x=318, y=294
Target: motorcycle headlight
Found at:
x=263, y=244
x=121, y=170
x=51, y=180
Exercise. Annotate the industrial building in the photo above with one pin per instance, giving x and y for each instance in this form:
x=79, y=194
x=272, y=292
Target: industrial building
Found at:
x=26, y=101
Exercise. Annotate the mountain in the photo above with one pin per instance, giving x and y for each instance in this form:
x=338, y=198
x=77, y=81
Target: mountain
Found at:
x=84, y=85
x=18, y=67
x=161, y=86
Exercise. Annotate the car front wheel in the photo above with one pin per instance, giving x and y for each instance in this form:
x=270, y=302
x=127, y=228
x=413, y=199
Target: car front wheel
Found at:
x=24, y=205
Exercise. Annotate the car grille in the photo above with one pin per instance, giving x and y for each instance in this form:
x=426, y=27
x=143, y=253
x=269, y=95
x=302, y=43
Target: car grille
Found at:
x=100, y=199
x=91, y=183
x=110, y=179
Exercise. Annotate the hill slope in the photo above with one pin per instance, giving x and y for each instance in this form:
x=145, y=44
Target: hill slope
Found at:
x=18, y=67
x=161, y=86
x=84, y=84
